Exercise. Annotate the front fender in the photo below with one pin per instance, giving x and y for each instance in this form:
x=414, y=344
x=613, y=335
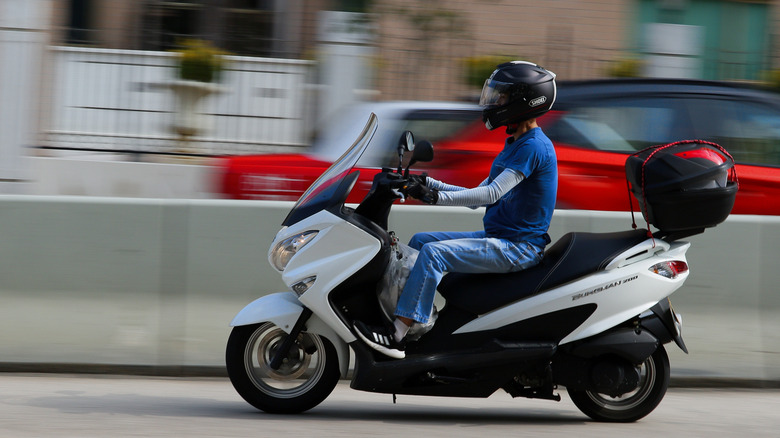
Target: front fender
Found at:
x=283, y=309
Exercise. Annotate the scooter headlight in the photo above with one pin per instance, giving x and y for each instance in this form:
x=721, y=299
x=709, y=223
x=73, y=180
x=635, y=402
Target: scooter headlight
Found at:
x=286, y=249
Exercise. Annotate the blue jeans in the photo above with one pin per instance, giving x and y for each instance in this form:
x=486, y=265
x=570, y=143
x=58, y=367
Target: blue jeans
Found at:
x=468, y=252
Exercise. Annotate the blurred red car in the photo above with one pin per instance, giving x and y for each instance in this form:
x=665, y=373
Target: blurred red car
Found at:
x=594, y=126
x=286, y=176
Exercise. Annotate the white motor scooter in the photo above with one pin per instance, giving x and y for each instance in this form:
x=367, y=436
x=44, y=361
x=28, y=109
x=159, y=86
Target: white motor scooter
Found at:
x=593, y=316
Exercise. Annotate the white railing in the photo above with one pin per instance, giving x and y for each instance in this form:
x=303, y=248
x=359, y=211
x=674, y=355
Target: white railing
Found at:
x=119, y=100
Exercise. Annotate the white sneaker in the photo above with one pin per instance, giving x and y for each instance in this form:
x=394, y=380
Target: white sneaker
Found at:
x=381, y=339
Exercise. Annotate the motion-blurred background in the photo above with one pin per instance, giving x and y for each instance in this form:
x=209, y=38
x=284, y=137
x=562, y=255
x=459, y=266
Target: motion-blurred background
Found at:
x=100, y=79
x=131, y=106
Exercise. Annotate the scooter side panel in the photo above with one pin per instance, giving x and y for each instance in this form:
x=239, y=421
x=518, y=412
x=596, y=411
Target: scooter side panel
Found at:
x=283, y=309
x=619, y=295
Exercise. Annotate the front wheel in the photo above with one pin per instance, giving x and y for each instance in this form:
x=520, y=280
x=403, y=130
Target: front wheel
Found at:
x=653, y=381
x=306, y=377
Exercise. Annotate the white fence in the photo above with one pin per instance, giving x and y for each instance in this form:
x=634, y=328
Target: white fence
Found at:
x=120, y=101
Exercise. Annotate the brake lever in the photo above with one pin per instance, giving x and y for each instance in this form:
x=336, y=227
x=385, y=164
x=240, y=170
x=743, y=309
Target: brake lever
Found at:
x=400, y=195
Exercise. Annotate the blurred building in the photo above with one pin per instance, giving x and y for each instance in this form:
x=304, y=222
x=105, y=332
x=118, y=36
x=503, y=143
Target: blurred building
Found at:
x=420, y=47
x=270, y=28
x=97, y=76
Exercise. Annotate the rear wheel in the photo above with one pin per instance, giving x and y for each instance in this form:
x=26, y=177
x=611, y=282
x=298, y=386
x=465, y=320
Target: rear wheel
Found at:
x=306, y=377
x=653, y=382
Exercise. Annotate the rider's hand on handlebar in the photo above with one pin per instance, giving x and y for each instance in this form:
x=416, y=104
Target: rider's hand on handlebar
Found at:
x=421, y=179
x=423, y=193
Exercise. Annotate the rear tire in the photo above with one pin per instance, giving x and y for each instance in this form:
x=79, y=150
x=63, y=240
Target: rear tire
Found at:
x=629, y=407
x=306, y=377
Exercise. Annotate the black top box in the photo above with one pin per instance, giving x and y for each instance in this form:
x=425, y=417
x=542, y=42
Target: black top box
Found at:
x=685, y=185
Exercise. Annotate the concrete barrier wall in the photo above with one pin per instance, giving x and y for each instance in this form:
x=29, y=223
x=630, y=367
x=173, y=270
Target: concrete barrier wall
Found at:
x=154, y=282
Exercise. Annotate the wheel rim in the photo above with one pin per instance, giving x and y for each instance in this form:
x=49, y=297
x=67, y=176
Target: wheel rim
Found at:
x=299, y=372
x=630, y=400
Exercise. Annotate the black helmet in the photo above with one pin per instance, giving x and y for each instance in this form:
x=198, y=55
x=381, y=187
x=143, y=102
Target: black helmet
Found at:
x=515, y=92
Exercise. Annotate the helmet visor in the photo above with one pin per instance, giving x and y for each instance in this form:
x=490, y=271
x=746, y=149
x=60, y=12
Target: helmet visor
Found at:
x=495, y=93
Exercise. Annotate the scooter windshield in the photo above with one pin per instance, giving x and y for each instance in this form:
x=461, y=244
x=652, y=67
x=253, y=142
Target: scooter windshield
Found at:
x=332, y=187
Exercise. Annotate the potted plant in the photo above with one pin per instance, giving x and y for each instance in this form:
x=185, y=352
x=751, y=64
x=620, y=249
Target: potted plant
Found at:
x=479, y=68
x=625, y=68
x=198, y=65
x=200, y=61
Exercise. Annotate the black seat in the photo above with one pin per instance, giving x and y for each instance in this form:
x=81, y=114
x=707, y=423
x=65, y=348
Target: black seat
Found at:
x=574, y=255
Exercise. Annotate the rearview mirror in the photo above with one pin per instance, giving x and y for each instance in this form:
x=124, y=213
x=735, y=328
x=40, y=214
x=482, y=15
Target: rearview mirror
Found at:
x=406, y=142
x=423, y=151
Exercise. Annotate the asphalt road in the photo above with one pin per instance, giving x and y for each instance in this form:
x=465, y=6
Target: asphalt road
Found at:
x=103, y=406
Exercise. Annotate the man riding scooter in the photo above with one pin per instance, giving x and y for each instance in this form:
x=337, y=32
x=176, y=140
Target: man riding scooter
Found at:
x=519, y=195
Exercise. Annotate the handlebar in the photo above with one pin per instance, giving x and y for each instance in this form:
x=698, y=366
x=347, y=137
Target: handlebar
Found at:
x=388, y=185
x=402, y=186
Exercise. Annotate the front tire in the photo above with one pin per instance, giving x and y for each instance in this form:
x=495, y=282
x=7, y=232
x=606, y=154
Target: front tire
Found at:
x=306, y=377
x=629, y=407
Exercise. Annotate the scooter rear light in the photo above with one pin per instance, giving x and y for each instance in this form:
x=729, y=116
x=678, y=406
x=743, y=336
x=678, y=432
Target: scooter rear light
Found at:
x=670, y=269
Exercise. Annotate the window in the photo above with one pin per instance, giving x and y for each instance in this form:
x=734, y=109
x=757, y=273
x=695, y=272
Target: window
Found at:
x=622, y=125
x=432, y=126
x=749, y=130
x=166, y=23
x=437, y=126
x=80, y=27
x=242, y=27
x=249, y=32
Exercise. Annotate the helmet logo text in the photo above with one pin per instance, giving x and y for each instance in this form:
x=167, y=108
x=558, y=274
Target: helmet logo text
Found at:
x=538, y=101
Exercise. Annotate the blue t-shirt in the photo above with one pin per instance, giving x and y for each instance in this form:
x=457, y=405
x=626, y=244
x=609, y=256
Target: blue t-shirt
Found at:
x=524, y=213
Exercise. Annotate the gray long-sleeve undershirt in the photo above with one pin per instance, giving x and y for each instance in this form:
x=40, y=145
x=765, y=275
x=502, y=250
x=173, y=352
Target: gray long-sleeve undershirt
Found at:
x=483, y=194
